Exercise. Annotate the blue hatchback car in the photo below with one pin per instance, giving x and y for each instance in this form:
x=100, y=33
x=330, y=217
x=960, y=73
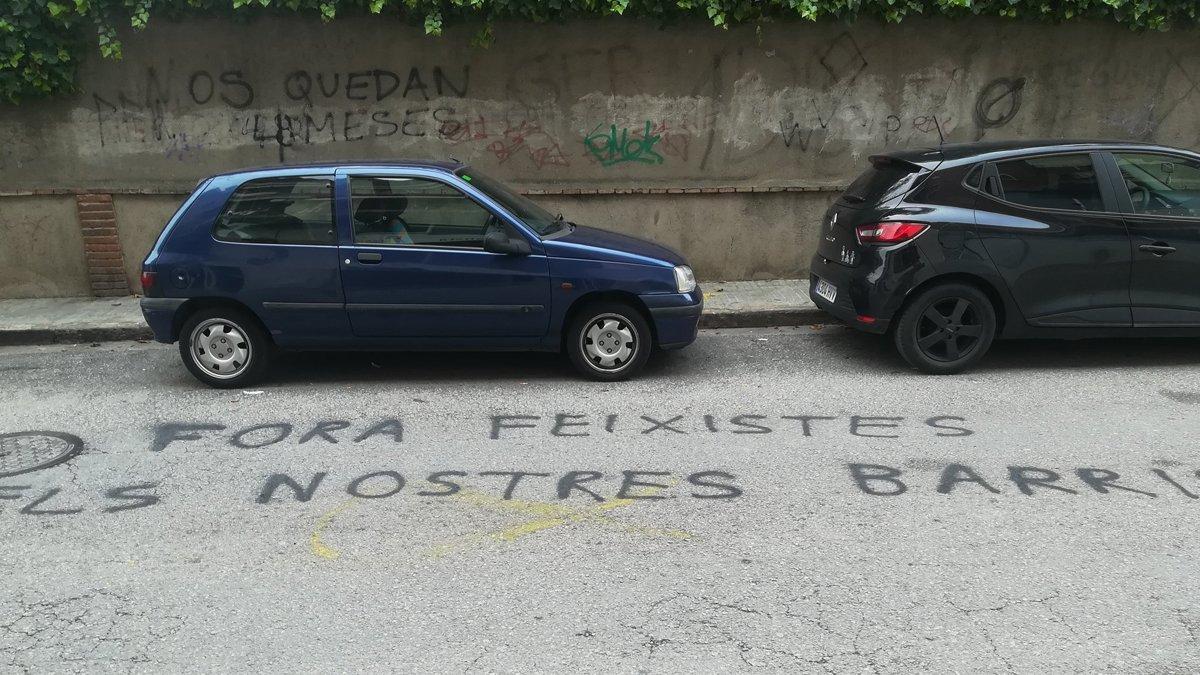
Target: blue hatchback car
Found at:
x=408, y=256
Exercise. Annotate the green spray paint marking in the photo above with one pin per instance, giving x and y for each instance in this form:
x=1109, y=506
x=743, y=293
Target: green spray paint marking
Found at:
x=610, y=147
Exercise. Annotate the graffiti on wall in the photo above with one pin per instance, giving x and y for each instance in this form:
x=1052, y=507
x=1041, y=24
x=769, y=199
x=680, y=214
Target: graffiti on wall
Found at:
x=610, y=146
x=559, y=109
x=320, y=107
x=505, y=139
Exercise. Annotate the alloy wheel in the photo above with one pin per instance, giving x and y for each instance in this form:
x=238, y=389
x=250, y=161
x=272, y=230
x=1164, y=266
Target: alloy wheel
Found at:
x=949, y=329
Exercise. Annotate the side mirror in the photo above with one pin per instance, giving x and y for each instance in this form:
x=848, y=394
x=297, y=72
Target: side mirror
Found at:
x=498, y=241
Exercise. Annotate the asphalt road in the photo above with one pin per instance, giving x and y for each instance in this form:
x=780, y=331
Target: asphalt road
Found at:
x=775, y=499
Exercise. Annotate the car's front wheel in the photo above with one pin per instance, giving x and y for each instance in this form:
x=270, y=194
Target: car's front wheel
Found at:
x=608, y=341
x=224, y=347
x=946, y=329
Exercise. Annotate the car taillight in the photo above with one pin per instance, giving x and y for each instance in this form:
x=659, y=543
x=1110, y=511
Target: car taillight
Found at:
x=888, y=233
x=148, y=280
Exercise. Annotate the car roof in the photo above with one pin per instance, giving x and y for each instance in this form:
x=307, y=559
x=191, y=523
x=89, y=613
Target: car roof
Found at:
x=954, y=154
x=449, y=166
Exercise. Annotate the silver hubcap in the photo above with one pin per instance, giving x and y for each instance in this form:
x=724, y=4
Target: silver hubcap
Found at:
x=220, y=348
x=609, y=342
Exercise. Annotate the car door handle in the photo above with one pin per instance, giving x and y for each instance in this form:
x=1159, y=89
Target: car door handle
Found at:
x=1159, y=248
x=370, y=258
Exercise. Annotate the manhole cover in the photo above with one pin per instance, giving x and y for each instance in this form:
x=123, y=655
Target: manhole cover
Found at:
x=25, y=451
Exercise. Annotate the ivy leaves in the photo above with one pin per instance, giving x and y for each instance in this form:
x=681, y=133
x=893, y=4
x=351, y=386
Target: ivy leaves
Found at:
x=42, y=42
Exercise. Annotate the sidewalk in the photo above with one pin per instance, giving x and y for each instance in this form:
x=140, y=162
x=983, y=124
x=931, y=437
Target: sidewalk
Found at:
x=743, y=304
x=731, y=304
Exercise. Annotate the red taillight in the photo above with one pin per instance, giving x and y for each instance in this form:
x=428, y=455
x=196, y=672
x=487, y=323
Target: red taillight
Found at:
x=888, y=233
x=148, y=280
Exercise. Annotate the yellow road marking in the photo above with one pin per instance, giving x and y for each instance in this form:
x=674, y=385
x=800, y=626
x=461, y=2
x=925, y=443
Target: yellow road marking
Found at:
x=319, y=548
x=544, y=516
x=547, y=516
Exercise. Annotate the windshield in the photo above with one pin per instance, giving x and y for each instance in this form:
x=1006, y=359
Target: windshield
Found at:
x=541, y=220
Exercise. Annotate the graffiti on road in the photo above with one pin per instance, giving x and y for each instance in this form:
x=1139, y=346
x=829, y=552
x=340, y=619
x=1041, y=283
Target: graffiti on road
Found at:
x=634, y=484
x=881, y=480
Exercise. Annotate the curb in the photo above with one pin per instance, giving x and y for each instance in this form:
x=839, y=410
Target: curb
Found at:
x=79, y=334
x=764, y=318
x=73, y=334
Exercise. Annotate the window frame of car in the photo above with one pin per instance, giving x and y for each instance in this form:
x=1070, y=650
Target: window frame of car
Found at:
x=250, y=178
x=1124, y=202
x=1108, y=196
x=345, y=202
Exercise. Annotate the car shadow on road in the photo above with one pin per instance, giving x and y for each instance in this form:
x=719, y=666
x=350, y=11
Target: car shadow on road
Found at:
x=1014, y=355
x=1093, y=353
x=837, y=349
x=305, y=367
x=392, y=366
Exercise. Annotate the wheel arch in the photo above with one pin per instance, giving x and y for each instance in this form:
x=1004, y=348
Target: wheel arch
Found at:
x=194, y=305
x=989, y=289
x=624, y=297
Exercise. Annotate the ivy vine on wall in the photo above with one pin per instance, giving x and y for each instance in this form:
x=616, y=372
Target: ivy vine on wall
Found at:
x=43, y=41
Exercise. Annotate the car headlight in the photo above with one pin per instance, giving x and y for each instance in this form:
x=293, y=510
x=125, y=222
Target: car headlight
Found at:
x=685, y=279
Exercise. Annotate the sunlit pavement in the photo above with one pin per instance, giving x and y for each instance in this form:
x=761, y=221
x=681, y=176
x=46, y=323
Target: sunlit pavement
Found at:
x=774, y=499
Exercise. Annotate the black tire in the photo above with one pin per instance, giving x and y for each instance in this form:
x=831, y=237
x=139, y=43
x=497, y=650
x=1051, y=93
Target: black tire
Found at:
x=946, y=329
x=225, y=325
x=629, y=330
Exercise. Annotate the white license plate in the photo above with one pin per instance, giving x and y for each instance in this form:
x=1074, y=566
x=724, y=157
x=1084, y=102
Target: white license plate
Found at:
x=826, y=290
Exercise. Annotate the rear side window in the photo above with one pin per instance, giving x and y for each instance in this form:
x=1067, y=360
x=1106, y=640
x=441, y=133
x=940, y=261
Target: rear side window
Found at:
x=1056, y=182
x=883, y=181
x=282, y=210
x=975, y=178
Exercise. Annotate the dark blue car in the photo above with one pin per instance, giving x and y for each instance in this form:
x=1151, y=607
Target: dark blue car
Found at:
x=409, y=256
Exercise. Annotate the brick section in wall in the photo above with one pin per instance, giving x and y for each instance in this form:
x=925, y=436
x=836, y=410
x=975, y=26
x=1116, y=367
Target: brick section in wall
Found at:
x=101, y=247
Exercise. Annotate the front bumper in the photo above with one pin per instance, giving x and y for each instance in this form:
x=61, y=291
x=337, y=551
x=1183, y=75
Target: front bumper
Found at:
x=676, y=317
x=160, y=316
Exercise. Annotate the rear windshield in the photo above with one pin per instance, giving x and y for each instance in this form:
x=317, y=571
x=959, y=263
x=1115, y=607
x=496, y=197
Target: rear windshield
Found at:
x=883, y=181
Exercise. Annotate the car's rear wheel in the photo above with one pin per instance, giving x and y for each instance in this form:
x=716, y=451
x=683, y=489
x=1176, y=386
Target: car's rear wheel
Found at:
x=608, y=341
x=946, y=329
x=224, y=347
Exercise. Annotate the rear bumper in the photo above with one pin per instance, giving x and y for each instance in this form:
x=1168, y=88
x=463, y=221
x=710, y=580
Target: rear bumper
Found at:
x=858, y=303
x=160, y=316
x=676, y=317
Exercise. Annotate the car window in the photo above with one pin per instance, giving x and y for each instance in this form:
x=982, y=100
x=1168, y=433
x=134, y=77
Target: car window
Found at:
x=1054, y=182
x=281, y=210
x=400, y=211
x=1166, y=185
x=883, y=181
x=530, y=213
x=975, y=178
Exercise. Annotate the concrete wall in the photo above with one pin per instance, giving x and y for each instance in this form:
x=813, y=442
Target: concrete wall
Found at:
x=140, y=219
x=726, y=236
x=581, y=109
x=41, y=248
